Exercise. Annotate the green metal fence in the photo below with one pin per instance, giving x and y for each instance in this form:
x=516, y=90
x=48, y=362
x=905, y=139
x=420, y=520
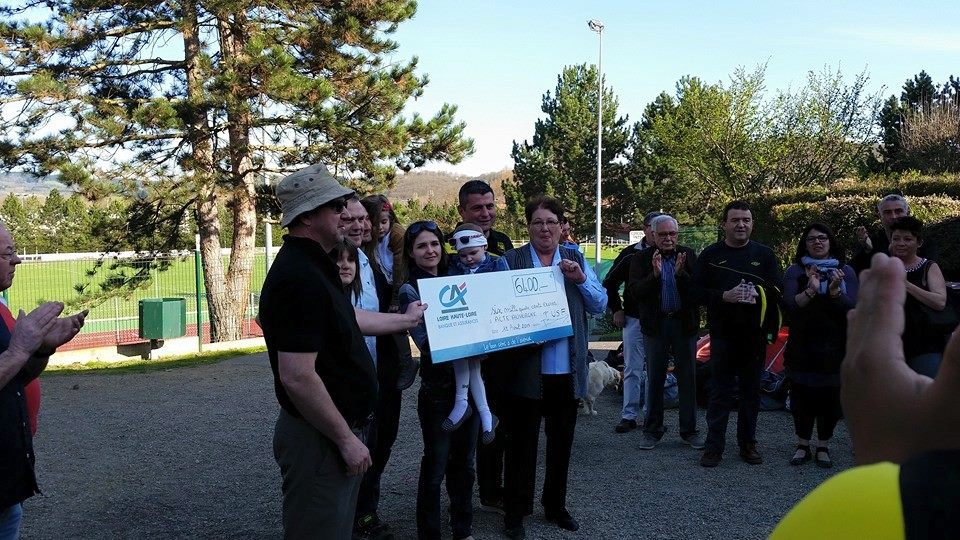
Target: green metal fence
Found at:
x=115, y=319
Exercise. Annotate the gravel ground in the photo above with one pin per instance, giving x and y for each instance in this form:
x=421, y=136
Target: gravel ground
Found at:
x=187, y=453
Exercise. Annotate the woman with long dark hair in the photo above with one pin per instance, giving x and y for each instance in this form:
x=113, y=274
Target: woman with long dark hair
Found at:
x=818, y=289
x=447, y=454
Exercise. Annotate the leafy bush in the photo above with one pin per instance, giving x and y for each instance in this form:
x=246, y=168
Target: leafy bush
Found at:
x=781, y=216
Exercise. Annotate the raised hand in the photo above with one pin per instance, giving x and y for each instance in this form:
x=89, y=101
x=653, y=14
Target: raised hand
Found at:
x=863, y=238
x=657, y=263
x=572, y=271
x=31, y=328
x=813, y=278
x=679, y=268
x=892, y=412
x=63, y=330
x=836, y=278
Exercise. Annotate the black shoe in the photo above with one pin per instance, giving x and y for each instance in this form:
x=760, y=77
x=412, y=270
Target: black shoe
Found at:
x=626, y=426
x=710, y=459
x=824, y=463
x=408, y=372
x=749, y=454
x=563, y=520
x=492, y=505
x=805, y=458
x=516, y=532
x=487, y=437
x=369, y=527
x=448, y=425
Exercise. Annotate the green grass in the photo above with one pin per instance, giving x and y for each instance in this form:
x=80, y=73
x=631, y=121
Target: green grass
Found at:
x=36, y=282
x=146, y=366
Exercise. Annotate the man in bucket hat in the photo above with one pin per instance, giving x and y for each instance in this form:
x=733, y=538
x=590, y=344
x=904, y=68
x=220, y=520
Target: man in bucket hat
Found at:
x=324, y=377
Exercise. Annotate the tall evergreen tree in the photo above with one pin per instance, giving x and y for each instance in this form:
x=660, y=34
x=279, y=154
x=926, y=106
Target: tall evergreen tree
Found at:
x=182, y=104
x=917, y=94
x=561, y=160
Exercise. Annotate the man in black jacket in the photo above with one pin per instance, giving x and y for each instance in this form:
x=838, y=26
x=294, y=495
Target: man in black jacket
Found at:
x=889, y=209
x=735, y=278
x=669, y=318
x=625, y=316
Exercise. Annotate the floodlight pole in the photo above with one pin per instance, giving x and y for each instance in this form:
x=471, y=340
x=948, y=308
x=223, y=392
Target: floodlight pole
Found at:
x=597, y=27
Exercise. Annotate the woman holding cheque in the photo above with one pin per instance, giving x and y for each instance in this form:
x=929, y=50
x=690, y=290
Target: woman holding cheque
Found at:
x=446, y=452
x=545, y=382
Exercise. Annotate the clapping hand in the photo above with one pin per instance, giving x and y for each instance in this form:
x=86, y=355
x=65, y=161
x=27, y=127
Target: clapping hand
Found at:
x=657, y=263
x=32, y=328
x=813, y=278
x=863, y=238
x=836, y=278
x=62, y=331
x=681, y=260
x=894, y=413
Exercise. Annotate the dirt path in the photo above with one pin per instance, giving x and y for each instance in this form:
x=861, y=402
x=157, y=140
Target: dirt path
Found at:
x=187, y=453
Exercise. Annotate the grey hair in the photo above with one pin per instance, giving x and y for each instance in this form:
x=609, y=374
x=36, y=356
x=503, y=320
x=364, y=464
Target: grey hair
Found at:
x=893, y=197
x=662, y=218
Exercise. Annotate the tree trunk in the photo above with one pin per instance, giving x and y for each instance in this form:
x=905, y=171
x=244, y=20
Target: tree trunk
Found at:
x=232, y=303
x=226, y=315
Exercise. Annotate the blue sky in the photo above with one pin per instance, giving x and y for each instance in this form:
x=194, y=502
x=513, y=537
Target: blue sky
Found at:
x=495, y=59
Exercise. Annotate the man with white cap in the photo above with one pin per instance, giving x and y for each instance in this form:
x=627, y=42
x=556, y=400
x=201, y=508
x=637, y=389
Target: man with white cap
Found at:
x=324, y=377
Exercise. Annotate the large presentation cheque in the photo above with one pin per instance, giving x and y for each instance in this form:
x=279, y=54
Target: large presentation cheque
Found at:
x=480, y=313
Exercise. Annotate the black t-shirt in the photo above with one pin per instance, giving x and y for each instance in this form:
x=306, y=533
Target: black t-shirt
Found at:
x=303, y=309
x=720, y=268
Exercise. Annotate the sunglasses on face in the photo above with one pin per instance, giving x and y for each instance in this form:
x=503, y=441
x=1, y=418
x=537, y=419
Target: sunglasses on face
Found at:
x=337, y=205
x=418, y=227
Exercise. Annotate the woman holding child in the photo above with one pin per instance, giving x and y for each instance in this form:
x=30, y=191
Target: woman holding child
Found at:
x=447, y=452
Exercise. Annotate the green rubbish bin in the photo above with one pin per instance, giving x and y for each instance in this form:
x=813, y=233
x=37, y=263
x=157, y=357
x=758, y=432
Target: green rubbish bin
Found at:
x=162, y=318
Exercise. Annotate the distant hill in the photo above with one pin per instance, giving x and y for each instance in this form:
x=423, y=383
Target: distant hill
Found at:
x=442, y=187
x=439, y=187
x=26, y=184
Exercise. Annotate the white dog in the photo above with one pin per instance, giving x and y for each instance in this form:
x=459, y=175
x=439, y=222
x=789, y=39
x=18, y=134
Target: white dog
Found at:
x=601, y=376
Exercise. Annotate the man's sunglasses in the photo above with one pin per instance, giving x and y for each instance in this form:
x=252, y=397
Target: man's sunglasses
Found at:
x=337, y=205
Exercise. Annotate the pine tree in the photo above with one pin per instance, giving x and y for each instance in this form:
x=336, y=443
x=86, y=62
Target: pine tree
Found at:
x=182, y=105
x=561, y=159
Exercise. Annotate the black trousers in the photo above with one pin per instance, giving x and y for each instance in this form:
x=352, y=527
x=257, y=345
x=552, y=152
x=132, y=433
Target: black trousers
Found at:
x=449, y=457
x=521, y=420
x=671, y=339
x=490, y=456
x=820, y=404
x=734, y=363
x=383, y=433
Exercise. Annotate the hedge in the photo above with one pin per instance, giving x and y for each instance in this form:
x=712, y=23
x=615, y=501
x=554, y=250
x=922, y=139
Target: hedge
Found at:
x=780, y=217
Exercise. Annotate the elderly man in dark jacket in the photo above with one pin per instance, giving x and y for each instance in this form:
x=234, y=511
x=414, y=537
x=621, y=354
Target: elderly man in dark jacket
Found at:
x=660, y=284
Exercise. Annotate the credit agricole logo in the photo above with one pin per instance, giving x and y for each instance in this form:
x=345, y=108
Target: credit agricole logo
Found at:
x=452, y=298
